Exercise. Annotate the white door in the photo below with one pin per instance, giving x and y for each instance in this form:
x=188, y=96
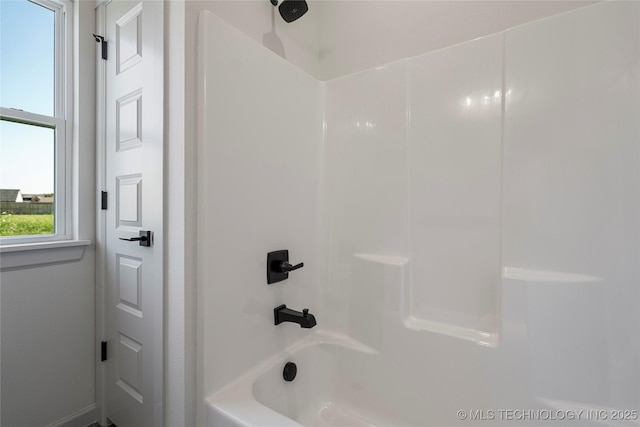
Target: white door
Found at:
x=134, y=183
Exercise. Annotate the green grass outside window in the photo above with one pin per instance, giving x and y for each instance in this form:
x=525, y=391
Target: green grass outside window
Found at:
x=25, y=225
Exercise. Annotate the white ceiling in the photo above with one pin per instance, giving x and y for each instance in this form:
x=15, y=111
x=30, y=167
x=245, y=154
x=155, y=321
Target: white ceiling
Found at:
x=355, y=35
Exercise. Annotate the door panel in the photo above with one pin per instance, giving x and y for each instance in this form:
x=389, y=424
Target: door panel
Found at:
x=134, y=176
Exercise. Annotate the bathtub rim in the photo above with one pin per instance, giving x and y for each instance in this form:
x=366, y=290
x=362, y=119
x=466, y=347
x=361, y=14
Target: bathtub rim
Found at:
x=238, y=397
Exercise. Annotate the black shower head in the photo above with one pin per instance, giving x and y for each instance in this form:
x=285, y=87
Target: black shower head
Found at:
x=290, y=10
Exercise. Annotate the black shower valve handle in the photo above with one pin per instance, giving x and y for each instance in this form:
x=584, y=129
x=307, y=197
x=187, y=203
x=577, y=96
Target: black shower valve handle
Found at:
x=285, y=267
x=278, y=266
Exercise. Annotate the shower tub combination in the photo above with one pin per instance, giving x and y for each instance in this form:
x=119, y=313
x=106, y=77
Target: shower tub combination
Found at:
x=341, y=383
x=324, y=392
x=452, y=287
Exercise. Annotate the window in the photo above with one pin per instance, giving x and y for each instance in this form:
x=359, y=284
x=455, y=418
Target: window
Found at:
x=35, y=128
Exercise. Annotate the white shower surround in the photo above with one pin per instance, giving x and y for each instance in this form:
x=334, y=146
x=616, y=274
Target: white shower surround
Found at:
x=465, y=214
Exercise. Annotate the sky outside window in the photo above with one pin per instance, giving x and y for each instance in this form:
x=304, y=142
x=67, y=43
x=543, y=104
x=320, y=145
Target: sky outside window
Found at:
x=27, y=40
x=29, y=170
x=27, y=56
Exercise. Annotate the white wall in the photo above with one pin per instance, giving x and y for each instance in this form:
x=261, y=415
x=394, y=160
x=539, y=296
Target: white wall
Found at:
x=455, y=104
x=48, y=331
x=571, y=186
x=366, y=178
x=296, y=41
x=259, y=158
x=261, y=22
x=506, y=170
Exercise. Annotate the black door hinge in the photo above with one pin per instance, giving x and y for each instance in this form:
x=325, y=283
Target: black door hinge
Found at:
x=103, y=351
x=103, y=45
x=103, y=201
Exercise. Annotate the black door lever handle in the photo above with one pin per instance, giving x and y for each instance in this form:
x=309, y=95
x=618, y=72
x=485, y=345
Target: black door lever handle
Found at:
x=135, y=239
x=145, y=238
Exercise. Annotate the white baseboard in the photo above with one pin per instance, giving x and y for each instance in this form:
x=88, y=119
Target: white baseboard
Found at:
x=82, y=418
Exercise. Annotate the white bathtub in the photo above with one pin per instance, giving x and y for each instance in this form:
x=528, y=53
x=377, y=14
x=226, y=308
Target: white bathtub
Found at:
x=331, y=388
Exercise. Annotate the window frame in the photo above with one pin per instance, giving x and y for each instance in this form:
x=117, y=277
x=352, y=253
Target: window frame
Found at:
x=61, y=122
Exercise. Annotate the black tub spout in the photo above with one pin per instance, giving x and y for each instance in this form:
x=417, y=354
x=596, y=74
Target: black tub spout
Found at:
x=303, y=318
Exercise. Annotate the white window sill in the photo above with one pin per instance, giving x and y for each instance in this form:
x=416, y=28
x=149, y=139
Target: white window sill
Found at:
x=28, y=255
